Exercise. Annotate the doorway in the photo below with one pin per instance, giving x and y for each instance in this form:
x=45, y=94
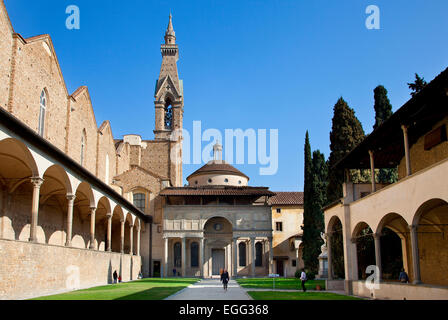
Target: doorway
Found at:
x=280, y=268
x=156, y=269
x=218, y=261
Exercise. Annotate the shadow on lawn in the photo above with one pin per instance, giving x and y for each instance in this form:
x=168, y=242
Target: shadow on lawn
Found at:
x=156, y=293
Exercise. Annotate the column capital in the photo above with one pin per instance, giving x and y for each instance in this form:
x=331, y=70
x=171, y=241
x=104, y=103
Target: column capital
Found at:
x=109, y=215
x=404, y=128
x=371, y=153
x=37, y=181
x=92, y=210
x=376, y=236
x=413, y=227
x=131, y=225
x=71, y=197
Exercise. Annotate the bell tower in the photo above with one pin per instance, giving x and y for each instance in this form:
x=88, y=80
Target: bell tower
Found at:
x=169, y=101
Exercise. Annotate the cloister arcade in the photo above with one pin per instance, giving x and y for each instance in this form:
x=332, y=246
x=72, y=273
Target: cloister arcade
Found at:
x=416, y=242
x=42, y=201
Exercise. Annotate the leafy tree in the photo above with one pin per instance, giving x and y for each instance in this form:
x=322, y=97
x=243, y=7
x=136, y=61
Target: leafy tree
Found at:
x=383, y=111
x=417, y=85
x=346, y=134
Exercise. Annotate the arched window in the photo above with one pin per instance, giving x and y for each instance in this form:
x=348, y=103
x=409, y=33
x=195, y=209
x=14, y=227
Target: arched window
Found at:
x=177, y=255
x=140, y=201
x=242, y=253
x=258, y=254
x=194, y=254
x=42, y=111
x=83, y=146
x=168, y=115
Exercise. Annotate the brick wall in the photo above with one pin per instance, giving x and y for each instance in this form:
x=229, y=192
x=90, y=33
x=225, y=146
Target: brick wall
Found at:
x=82, y=118
x=36, y=69
x=5, y=56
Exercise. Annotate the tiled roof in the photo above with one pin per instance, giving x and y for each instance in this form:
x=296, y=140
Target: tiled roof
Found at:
x=287, y=198
x=220, y=167
x=217, y=191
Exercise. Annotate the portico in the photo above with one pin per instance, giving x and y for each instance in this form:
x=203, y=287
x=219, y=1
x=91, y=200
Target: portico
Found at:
x=217, y=222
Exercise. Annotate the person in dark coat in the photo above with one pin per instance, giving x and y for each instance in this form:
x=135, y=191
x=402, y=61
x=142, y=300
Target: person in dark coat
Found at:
x=225, y=279
x=115, y=276
x=404, y=278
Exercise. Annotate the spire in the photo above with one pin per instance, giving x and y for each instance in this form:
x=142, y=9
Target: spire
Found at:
x=170, y=35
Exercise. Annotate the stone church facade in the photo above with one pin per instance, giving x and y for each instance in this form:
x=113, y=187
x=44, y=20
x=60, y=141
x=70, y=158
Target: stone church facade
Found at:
x=75, y=203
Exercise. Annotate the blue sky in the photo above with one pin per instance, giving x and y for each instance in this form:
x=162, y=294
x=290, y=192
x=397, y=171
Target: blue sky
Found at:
x=245, y=64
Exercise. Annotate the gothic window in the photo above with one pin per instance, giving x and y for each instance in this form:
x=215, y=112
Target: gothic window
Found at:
x=177, y=255
x=194, y=255
x=258, y=254
x=83, y=146
x=140, y=201
x=42, y=111
x=242, y=254
x=168, y=115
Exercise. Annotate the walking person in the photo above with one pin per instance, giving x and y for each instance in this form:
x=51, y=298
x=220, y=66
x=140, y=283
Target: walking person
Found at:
x=225, y=279
x=303, y=279
x=115, y=276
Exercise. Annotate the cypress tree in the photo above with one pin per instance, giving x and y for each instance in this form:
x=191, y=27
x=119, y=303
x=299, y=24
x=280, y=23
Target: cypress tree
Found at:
x=346, y=134
x=383, y=111
x=383, y=108
x=314, y=200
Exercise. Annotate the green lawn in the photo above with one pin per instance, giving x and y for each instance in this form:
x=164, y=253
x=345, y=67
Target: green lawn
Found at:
x=280, y=283
x=275, y=295
x=146, y=289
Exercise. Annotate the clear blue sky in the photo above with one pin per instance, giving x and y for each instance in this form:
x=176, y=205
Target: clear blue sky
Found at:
x=245, y=64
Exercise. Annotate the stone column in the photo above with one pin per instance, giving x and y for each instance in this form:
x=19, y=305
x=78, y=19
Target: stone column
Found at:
x=122, y=236
x=329, y=257
x=406, y=150
x=271, y=256
x=377, y=238
x=37, y=183
x=109, y=232
x=202, y=249
x=138, y=241
x=372, y=171
x=235, y=257
x=184, y=257
x=71, y=201
x=165, y=269
x=415, y=254
x=92, y=228
x=131, y=239
x=252, y=256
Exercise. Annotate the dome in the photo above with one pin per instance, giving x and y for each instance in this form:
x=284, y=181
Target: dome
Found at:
x=218, y=172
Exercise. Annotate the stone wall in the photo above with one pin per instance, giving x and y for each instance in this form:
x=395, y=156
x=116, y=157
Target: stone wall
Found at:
x=34, y=270
x=397, y=291
x=82, y=118
x=421, y=158
x=5, y=56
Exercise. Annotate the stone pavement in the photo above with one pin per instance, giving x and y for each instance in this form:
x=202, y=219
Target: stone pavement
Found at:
x=211, y=289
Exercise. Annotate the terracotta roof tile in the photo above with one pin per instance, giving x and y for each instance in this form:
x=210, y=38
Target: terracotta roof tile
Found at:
x=287, y=198
x=217, y=191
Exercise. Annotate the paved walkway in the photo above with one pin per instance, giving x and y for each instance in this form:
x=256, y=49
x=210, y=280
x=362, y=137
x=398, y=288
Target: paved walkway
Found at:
x=211, y=289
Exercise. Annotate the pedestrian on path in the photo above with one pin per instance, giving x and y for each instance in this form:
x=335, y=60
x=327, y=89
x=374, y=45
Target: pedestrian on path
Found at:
x=115, y=276
x=303, y=278
x=225, y=279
